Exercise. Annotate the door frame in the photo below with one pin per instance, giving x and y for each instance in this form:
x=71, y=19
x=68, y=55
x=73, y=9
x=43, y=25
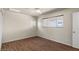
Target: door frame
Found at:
x=1, y=27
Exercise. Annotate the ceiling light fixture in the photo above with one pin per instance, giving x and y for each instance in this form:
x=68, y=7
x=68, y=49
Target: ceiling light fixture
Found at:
x=38, y=11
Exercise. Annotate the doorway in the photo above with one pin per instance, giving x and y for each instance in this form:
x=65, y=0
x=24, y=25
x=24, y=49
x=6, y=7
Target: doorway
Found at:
x=0, y=28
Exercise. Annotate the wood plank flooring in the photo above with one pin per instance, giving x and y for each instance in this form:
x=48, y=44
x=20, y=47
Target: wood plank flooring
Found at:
x=36, y=44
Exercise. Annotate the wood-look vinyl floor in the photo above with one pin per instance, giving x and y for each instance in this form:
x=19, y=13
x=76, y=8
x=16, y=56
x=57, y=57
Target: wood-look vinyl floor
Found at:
x=36, y=44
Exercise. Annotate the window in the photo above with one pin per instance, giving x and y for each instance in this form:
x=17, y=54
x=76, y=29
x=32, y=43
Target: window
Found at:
x=53, y=22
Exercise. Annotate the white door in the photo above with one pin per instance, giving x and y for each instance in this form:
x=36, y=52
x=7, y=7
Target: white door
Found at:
x=0, y=28
x=75, y=31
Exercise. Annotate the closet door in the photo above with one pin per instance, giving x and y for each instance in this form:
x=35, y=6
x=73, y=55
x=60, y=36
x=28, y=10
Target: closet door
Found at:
x=0, y=28
x=75, y=31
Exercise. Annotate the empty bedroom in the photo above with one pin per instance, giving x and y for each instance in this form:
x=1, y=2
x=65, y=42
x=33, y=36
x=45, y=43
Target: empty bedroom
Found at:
x=39, y=29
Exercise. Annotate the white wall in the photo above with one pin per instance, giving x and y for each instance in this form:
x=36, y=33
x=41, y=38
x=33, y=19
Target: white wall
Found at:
x=17, y=26
x=0, y=28
x=62, y=35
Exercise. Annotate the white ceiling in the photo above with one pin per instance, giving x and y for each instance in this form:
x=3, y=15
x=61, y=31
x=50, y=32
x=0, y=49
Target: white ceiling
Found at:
x=32, y=11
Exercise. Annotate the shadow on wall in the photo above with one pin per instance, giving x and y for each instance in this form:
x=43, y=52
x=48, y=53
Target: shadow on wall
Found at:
x=19, y=34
